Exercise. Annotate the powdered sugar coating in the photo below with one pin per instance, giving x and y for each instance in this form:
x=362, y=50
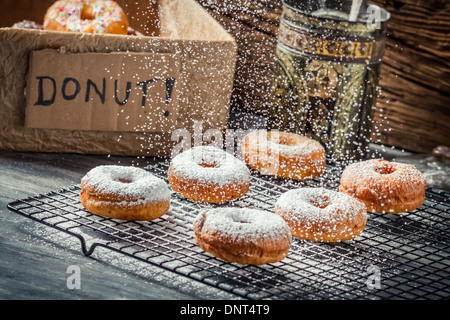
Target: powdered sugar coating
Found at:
x=127, y=182
x=319, y=205
x=244, y=225
x=299, y=146
x=374, y=170
x=384, y=186
x=210, y=164
x=283, y=154
x=284, y=143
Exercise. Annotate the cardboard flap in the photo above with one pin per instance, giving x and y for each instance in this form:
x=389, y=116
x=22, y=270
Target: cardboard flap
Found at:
x=118, y=91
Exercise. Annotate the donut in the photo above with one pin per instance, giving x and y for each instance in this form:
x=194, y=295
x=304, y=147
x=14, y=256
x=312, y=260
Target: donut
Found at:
x=322, y=215
x=384, y=186
x=88, y=16
x=283, y=154
x=242, y=235
x=208, y=174
x=125, y=193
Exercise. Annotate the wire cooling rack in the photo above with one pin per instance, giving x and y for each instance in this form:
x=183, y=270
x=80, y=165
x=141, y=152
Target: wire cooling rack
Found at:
x=403, y=256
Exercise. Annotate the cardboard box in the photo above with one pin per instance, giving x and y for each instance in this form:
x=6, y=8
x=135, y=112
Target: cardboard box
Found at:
x=113, y=94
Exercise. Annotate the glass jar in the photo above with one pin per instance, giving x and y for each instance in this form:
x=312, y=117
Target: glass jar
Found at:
x=326, y=73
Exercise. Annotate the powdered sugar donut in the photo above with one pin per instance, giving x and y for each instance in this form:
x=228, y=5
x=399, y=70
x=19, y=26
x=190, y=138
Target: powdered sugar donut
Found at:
x=241, y=235
x=385, y=187
x=283, y=154
x=126, y=193
x=208, y=174
x=323, y=215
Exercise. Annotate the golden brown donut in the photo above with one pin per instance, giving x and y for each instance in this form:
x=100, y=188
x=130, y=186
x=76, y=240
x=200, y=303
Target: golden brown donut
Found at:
x=88, y=16
x=242, y=235
x=208, y=174
x=125, y=193
x=322, y=215
x=385, y=187
x=283, y=154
